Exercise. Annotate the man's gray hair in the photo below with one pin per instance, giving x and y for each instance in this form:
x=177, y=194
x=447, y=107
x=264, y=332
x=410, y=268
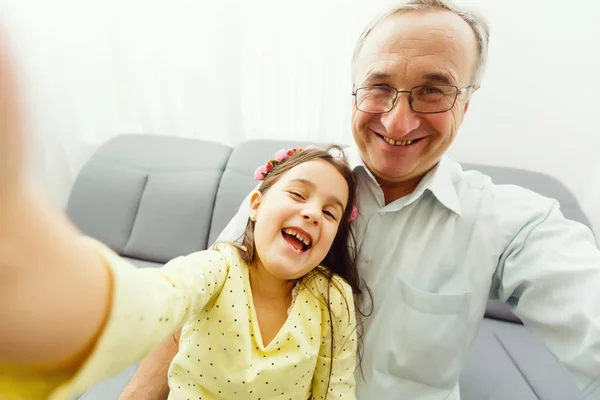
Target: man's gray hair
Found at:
x=477, y=23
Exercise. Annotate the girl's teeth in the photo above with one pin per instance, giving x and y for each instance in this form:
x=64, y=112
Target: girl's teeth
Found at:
x=304, y=240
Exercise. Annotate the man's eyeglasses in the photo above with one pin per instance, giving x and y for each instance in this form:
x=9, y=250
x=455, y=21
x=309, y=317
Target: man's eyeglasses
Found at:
x=424, y=99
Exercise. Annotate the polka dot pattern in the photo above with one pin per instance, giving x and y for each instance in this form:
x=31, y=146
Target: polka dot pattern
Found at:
x=234, y=363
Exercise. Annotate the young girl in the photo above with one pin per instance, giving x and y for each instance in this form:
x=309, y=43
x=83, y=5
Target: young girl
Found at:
x=269, y=318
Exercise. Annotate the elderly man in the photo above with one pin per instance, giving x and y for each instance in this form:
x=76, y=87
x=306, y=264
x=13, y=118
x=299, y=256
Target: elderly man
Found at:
x=437, y=242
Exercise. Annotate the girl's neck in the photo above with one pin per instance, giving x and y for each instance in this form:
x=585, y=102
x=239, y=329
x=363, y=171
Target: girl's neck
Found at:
x=267, y=286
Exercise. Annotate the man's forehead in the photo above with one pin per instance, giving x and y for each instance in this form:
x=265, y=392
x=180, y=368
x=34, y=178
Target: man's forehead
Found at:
x=419, y=44
x=412, y=71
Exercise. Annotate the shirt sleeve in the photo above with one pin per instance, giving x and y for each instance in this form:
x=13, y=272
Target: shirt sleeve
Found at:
x=148, y=304
x=336, y=380
x=549, y=274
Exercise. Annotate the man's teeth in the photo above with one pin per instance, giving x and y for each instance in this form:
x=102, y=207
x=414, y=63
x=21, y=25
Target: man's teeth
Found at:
x=298, y=236
x=397, y=142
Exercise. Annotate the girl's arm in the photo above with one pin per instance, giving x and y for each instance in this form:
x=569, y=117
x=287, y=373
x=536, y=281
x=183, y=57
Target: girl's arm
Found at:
x=146, y=306
x=341, y=383
x=69, y=306
x=43, y=287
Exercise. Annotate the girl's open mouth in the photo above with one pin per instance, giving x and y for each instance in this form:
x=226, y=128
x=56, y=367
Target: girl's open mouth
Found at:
x=298, y=240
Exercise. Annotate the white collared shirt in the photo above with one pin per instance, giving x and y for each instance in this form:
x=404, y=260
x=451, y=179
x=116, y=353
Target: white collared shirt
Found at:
x=433, y=258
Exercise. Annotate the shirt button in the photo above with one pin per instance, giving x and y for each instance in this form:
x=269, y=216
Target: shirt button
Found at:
x=367, y=259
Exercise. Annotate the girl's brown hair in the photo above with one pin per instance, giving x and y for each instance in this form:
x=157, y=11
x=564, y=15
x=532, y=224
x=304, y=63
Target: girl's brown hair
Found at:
x=341, y=259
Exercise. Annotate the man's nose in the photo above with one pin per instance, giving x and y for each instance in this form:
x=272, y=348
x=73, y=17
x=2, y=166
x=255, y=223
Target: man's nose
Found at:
x=401, y=119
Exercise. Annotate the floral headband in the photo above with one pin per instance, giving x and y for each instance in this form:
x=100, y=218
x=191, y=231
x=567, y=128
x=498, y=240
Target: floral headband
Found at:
x=279, y=157
x=262, y=171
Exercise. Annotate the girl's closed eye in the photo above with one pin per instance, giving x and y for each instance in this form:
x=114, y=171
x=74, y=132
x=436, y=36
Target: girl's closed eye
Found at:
x=330, y=214
x=297, y=195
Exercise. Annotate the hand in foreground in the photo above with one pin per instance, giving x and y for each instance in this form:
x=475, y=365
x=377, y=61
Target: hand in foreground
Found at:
x=11, y=131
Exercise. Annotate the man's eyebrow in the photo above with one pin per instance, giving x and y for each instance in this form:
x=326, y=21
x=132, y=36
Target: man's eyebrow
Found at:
x=377, y=76
x=434, y=77
x=332, y=199
x=438, y=78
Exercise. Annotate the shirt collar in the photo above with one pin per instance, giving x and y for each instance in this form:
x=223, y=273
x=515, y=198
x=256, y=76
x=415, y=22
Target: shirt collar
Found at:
x=439, y=181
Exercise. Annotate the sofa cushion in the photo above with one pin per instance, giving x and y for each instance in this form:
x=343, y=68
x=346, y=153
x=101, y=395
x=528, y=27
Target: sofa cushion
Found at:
x=143, y=263
x=507, y=358
x=149, y=197
x=543, y=184
x=489, y=366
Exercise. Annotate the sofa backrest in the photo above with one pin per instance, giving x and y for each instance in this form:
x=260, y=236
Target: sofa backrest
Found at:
x=149, y=197
x=541, y=183
x=152, y=198
x=237, y=181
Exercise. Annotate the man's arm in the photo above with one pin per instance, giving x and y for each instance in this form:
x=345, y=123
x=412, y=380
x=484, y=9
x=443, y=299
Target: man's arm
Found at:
x=150, y=381
x=550, y=276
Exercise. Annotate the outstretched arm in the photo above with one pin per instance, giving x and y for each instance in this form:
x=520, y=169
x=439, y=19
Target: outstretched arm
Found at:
x=42, y=282
x=72, y=312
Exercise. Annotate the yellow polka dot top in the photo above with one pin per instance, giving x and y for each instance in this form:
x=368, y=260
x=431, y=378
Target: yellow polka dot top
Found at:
x=221, y=352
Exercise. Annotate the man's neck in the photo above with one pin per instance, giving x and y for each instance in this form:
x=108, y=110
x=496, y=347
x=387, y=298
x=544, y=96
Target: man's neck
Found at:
x=396, y=190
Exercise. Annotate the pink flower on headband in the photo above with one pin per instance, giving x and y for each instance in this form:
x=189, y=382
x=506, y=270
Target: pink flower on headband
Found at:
x=281, y=155
x=353, y=214
x=260, y=172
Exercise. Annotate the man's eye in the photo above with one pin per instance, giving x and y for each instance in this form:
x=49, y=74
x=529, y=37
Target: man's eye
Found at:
x=425, y=90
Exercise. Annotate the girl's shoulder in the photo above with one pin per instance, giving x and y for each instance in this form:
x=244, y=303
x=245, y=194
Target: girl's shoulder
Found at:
x=327, y=286
x=229, y=251
x=231, y=254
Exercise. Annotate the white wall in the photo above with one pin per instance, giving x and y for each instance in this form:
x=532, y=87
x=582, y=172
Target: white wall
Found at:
x=94, y=69
x=540, y=99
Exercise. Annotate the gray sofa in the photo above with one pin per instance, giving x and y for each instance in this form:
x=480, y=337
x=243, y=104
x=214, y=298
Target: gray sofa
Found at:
x=152, y=198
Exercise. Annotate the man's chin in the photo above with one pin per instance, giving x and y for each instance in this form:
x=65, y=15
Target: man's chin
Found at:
x=391, y=176
x=388, y=170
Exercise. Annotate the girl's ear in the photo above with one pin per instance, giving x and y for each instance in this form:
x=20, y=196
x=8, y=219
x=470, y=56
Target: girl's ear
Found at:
x=255, y=199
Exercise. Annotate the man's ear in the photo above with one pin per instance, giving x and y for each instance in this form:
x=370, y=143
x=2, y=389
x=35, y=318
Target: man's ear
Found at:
x=255, y=200
x=468, y=102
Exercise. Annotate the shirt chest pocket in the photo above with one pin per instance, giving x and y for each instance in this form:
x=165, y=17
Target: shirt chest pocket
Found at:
x=429, y=336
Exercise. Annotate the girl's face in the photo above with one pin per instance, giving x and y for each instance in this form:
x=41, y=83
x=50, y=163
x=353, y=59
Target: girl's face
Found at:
x=297, y=219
